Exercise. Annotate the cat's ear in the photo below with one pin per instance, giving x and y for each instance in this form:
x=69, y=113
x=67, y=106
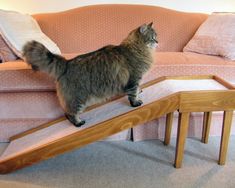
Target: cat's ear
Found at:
x=143, y=28
x=150, y=25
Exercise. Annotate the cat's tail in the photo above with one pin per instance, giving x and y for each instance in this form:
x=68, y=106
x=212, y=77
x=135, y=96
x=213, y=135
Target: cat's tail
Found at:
x=41, y=59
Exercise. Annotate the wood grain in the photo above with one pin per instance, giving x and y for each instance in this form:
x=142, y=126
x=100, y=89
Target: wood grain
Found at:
x=227, y=122
x=168, y=128
x=205, y=101
x=206, y=127
x=181, y=137
x=224, y=82
x=190, y=77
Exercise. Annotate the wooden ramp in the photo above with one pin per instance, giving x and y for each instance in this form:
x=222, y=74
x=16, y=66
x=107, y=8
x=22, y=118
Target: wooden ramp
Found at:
x=161, y=96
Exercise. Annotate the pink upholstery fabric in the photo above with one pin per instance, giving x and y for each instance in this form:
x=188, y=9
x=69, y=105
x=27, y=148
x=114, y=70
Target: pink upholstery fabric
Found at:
x=216, y=36
x=22, y=111
x=25, y=80
x=28, y=105
x=177, y=63
x=17, y=76
x=89, y=28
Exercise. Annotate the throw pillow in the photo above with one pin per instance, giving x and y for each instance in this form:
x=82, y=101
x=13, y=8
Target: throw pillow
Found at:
x=6, y=54
x=216, y=36
x=17, y=29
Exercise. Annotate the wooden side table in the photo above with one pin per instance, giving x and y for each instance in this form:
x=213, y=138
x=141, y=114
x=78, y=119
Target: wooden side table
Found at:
x=207, y=102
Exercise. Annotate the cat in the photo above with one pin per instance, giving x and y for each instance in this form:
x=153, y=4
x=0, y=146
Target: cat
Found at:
x=99, y=75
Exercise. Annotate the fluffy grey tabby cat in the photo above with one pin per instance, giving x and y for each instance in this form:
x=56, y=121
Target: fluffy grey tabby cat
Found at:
x=96, y=76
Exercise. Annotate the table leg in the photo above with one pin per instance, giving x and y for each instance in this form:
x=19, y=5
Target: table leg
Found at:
x=206, y=127
x=169, y=120
x=227, y=122
x=181, y=137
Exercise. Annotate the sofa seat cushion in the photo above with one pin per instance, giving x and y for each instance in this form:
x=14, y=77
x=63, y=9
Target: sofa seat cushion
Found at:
x=18, y=76
x=188, y=63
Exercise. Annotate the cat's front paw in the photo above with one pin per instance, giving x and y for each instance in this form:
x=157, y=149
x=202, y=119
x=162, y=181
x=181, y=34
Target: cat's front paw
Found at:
x=136, y=103
x=73, y=120
x=79, y=124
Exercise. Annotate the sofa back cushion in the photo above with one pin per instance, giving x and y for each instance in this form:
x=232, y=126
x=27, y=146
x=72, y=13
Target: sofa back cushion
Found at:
x=88, y=28
x=216, y=36
x=17, y=29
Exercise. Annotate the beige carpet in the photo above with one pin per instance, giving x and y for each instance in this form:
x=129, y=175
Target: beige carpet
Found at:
x=146, y=164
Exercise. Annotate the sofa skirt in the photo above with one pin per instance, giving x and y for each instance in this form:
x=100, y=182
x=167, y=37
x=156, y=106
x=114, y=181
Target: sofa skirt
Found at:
x=21, y=111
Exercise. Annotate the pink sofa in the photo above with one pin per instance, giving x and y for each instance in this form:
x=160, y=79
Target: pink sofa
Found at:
x=28, y=99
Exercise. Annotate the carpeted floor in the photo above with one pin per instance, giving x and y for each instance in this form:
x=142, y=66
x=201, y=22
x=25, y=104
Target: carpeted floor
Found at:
x=124, y=164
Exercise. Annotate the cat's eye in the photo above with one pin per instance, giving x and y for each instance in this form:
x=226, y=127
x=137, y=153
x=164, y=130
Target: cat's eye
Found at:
x=154, y=39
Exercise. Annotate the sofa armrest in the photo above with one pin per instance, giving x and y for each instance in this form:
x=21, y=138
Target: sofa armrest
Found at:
x=21, y=65
x=14, y=65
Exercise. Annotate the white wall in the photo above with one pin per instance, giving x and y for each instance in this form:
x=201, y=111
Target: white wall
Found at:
x=37, y=6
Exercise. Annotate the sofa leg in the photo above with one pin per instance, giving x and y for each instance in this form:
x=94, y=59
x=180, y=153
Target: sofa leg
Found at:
x=181, y=138
x=227, y=122
x=168, y=127
x=206, y=127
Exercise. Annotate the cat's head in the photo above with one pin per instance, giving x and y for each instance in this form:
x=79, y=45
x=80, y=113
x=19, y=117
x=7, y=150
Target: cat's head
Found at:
x=144, y=35
x=148, y=35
